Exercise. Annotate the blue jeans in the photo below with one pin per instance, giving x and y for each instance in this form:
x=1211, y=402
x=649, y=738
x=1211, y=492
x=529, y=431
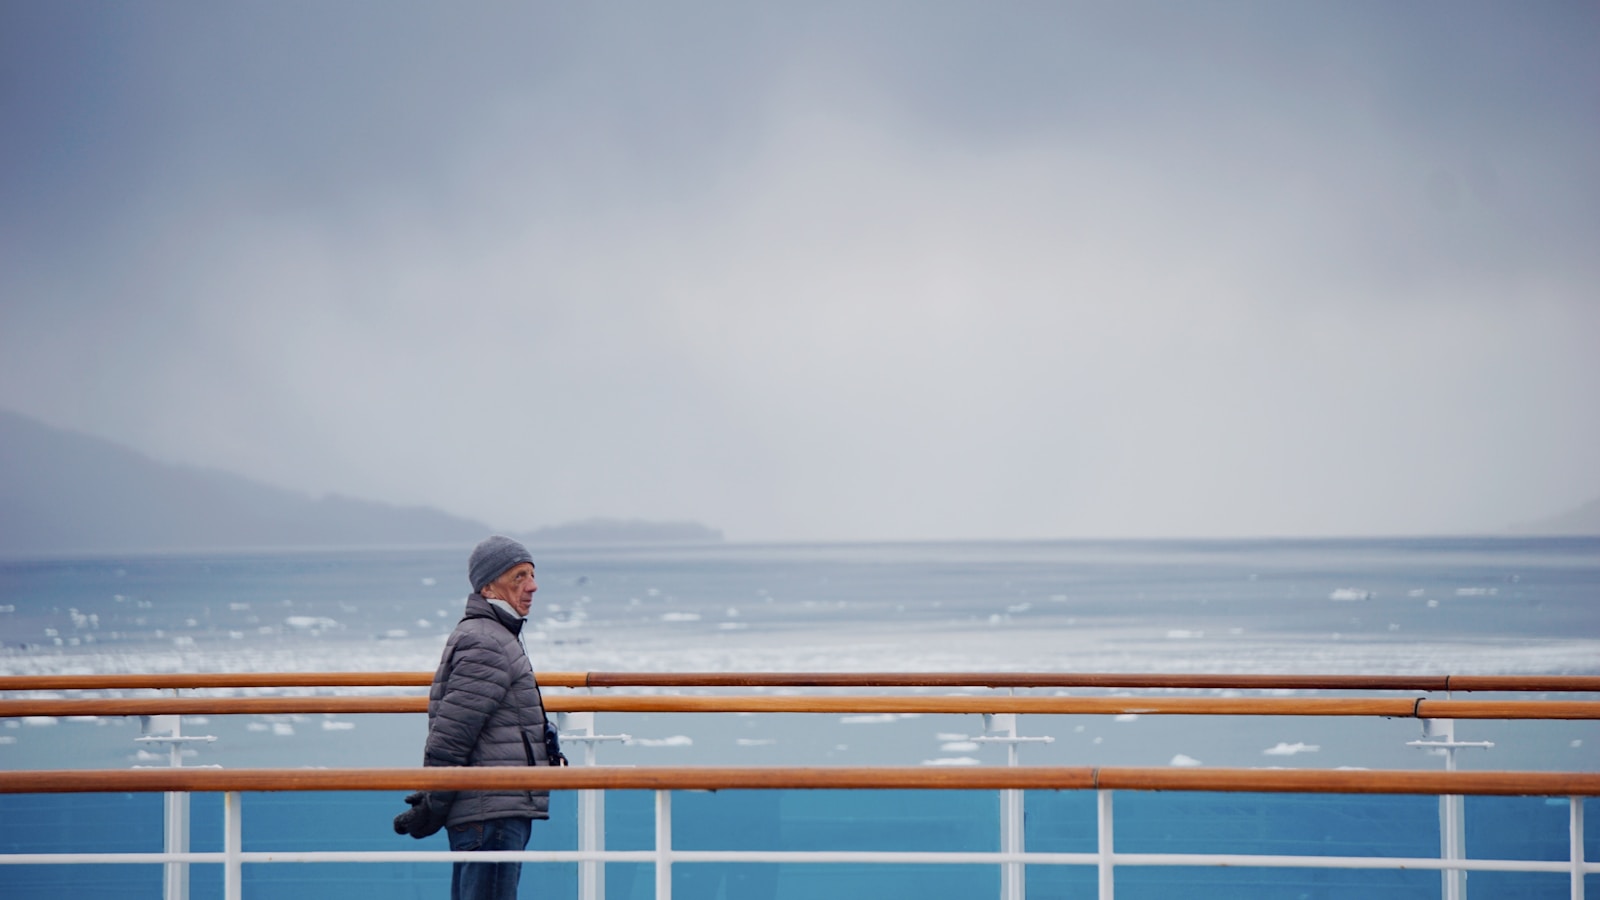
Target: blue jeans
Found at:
x=488, y=881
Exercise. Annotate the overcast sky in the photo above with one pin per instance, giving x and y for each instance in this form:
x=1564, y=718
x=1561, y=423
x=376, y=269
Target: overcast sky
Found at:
x=819, y=271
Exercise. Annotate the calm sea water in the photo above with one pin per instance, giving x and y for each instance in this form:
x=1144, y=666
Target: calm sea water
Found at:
x=1411, y=606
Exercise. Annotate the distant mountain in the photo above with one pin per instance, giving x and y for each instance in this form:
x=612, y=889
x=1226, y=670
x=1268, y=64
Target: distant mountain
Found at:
x=1583, y=520
x=600, y=531
x=63, y=492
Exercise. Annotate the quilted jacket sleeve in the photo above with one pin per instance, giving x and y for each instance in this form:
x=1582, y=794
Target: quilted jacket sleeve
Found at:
x=476, y=684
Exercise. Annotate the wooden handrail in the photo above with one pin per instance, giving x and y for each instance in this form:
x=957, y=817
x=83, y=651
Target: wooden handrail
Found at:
x=1427, y=683
x=1398, y=707
x=692, y=778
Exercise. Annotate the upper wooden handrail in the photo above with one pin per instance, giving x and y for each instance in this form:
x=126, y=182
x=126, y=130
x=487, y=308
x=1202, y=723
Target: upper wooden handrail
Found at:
x=1426, y=683
x=693, y=778
x=1397, y=707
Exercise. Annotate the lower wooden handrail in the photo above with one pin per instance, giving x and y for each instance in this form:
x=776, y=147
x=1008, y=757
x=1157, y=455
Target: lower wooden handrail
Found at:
x=1397, y=707
x=1300, y=781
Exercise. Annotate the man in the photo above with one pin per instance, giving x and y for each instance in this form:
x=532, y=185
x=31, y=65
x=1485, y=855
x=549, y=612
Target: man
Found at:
x=485, y=710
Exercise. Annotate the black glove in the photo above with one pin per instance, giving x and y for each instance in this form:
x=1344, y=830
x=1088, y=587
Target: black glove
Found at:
x=552, y=746
x=421, y=820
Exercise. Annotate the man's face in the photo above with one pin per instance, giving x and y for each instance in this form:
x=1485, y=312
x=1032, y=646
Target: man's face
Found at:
x=515, y=586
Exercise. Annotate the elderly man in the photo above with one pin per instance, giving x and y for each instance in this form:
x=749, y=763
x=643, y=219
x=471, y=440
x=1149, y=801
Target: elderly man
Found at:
x=485, y=710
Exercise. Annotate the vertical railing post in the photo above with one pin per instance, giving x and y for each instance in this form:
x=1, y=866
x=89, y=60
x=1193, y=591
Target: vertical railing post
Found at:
x=176, y=840
x=1439, y=735
x=1575, y=839
x=232, y=846
x=176, y=882
x=663, y=845
x=1001, y=728
x=591, y=817
x=578, y=727
x=1013, y=885
x=168, y=730
x=1107, y=876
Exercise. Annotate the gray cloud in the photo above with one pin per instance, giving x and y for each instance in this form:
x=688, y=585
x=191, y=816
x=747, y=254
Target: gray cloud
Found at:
x=911, y=271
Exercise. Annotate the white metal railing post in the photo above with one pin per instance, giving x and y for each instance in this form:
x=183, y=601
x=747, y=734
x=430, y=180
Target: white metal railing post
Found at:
x=663, y=845
x=578, y=727
x=232, y=846
x=167, y=730
x=1575, y=838
x=1107, y=877
x=175, y=885
x=1439, y=735
x=1001, y=728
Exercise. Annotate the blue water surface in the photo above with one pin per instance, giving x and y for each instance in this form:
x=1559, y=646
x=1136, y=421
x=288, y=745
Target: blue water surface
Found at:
x=923, y=821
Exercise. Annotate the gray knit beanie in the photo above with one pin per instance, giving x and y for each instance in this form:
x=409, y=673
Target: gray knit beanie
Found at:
x=492, y=558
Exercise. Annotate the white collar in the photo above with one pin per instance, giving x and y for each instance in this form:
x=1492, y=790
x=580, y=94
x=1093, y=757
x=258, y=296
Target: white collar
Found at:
x=505, y=606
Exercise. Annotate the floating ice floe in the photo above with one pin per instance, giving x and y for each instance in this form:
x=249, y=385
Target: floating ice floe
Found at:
x=331, y=725
x=680, y=617
x=1476, y=592
x=677, y=740
x=1286, y=749
x=959, y=746
x=1126, y=717
x=310, y=623
x=282, y=729
x=1183, y=634
x=952, y=761
x=7, y=739
x=755, y=742
x=39, y=721
x=1345, y=595
x=1182, y=760
x=878, y=719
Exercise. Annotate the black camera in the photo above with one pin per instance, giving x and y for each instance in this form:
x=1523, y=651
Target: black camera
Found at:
x=552, y=746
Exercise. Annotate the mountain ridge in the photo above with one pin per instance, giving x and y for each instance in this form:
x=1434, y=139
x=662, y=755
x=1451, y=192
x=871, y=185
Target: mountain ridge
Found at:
x=63, y=492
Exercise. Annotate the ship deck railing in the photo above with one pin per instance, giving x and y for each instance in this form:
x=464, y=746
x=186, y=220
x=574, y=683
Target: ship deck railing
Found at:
x=1104, y=782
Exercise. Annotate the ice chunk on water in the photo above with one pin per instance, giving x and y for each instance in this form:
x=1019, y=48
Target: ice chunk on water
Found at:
x=1283, y=748
x=677, y=740
x=309, y=623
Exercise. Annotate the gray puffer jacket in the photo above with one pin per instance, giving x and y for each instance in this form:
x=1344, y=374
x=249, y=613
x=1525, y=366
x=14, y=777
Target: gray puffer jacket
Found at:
x=485, y=710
